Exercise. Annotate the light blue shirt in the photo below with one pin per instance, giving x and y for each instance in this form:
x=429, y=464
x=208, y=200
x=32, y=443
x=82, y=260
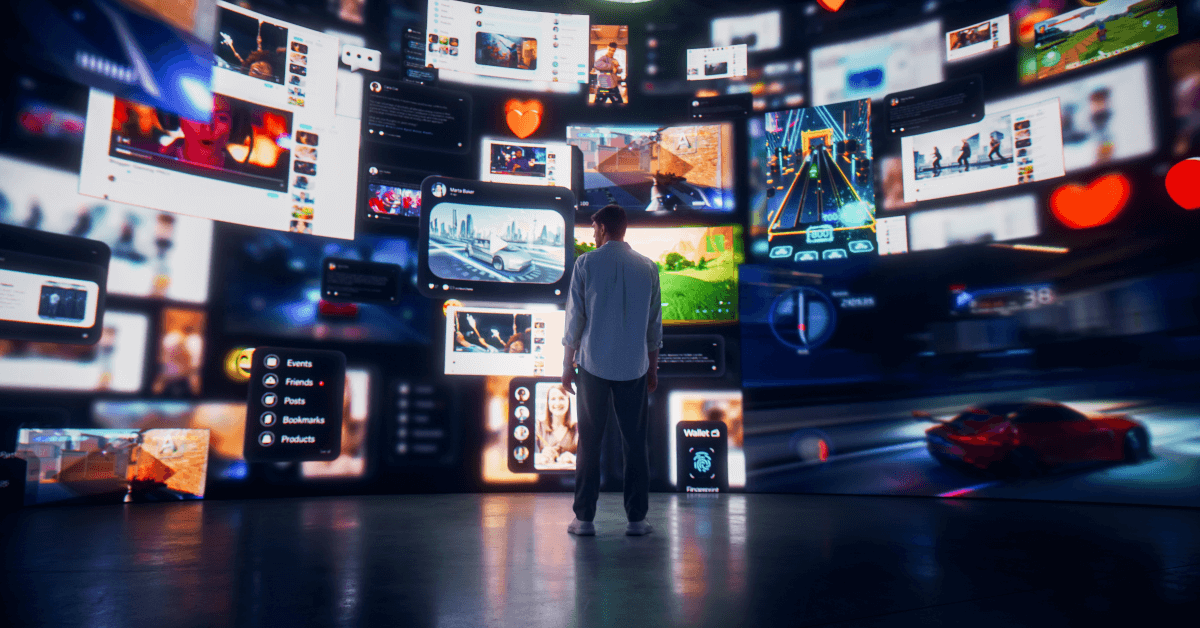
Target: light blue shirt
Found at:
x=614, y=312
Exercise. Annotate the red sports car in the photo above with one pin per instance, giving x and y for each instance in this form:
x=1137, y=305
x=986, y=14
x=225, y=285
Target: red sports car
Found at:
x=1029, y=437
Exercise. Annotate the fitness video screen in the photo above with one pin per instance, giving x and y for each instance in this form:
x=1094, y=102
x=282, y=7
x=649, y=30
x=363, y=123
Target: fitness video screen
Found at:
x=510, y=250
x=697, y=269
x=1011, y=147
x=812, y=182
x=681, y=168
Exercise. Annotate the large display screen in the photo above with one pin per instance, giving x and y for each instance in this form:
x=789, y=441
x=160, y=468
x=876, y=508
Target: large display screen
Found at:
x=154, y=254
x=464, y=37
x=697, y=269
x=1106, y=116
x=876, y=66
x=675, y=168
x=1009, y=147
x=493, y=341
x=813, y=183
x=115, y=466
x=273, y=155
x=273, y=287
x=495, y=241
x=1094, y=33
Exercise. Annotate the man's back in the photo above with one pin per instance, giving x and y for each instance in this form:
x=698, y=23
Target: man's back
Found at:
x=615, y=311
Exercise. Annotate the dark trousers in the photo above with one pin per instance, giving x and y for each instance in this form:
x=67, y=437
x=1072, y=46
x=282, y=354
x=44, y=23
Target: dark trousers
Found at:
x=596, y=397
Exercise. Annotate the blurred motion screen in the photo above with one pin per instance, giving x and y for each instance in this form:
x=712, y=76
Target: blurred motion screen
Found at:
x=468, y=38
x=515, y=342
x=274, y=155
x=876, y=66
x=758, y=32
x=1010, y=147
x=114, y=364
x=1106, y=116
x=993, y=221
x=154, y=254
x=688, y=168
x=525, y=163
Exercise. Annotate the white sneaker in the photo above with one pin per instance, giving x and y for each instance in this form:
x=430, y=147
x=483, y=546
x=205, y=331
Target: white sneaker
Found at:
x=582, y=528
x=638, y=528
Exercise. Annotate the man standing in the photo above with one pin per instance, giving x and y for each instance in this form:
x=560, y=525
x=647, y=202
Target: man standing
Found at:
x=614, y=332
x=608, y=77
x=964, y=157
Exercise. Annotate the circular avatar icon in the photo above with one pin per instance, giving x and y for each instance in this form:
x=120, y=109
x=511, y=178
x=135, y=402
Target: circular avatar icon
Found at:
x=439, y=189
x=522, y=413
x=521, y=453
x=522, y=394
x=521, y=432
x=803, y=318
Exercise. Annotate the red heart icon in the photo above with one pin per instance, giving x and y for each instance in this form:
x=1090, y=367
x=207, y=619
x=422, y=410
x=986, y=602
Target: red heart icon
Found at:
x=831, y=5
x=523, y=118
x=1183, y=183
x=1080, y=207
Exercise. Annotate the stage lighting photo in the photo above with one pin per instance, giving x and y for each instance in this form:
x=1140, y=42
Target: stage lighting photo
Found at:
x=495, y=241
x=813, y=182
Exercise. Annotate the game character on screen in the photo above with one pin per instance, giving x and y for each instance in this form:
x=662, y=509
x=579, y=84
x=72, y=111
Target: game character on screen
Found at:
x=557, y=437
x=608, y=77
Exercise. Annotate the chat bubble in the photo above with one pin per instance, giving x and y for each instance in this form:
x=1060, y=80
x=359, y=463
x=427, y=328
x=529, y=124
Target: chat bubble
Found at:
x=359, y=58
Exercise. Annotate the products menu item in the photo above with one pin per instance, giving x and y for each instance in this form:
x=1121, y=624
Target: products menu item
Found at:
x=295, y=405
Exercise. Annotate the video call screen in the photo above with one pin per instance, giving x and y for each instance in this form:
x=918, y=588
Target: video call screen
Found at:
x=812, y=183
x=1007, y=148
x=879, y=65
x=495, y=241
x=676, y=168
x=525, y=163
x=464, y=37
x=543, y=434
x=273, y=153
x=697, y=269
x=500, y=341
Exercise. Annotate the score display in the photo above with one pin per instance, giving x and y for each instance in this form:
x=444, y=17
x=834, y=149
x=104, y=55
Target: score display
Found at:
x=1003, y=301
x=295, y=403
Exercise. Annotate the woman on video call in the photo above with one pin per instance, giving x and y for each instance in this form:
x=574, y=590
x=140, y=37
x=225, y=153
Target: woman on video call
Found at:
x=557, y=436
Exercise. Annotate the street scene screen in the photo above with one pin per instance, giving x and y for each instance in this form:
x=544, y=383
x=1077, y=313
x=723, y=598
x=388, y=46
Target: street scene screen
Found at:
x=496, y=244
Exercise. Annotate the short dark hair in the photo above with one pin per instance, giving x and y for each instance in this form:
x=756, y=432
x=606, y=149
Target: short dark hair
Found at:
x=612, y=44
x=614, y=221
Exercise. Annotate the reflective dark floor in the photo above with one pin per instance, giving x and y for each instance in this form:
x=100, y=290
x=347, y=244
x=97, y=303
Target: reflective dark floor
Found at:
x=506, y=560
